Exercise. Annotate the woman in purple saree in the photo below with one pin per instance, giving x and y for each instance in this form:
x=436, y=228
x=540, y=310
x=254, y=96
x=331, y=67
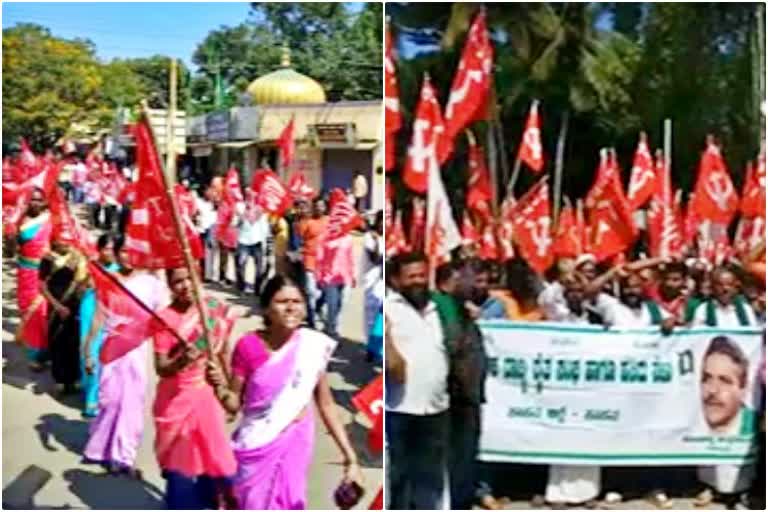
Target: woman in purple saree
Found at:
x=276, y=375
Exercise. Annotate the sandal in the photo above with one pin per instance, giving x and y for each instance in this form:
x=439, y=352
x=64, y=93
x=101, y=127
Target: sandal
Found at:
x=704, y=498
x=660, y=500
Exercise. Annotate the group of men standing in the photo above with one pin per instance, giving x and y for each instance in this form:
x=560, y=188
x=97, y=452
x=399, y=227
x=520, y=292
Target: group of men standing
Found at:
x=436, y=365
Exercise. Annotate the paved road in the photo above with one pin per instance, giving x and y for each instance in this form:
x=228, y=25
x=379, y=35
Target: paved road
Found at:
x=43, y=436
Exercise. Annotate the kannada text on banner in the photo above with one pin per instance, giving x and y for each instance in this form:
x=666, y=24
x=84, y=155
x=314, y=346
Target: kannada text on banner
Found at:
x=588, y=395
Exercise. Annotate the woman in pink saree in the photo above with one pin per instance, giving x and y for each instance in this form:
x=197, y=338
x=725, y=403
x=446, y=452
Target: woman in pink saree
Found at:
x=276, y=375
x=115, y=434
x=33, y=239
x=191, y=443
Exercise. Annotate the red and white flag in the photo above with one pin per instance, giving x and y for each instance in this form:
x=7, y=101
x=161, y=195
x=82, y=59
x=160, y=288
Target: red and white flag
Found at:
x=271, y=195
x=505, y=232
x=396, y=242
x=286, y=144
x=642, y=181
x=612, y=228
x=468, y=99
x=753, y=195
x=342, y=216
x=532, y=222
x=128, y=321
x=442, y=233
x=488, y=248
x=392, y=116
x=233, y=192
x=299, y=188
x=479, y=192
x=607, y=176
x=568, y=238
x=151, y=239
x=418, y=229
x=428, y=129
x=716, y=198
x=469, y=234
x=531, y=151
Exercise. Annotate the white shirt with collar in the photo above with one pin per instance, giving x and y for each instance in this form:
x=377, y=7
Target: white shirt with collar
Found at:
x=418, y=337
x=251, y=233
x=555, y=308
x=726, y=315
x=617, y=314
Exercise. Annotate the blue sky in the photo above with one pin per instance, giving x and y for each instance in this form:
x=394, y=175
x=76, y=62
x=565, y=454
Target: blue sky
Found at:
x=131, y=29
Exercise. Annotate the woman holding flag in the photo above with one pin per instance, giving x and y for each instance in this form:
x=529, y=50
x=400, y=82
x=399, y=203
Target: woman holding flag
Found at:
x=33, y=238
x=191, y=444
x=116, y=432
x=90, y=380
x=277, y=373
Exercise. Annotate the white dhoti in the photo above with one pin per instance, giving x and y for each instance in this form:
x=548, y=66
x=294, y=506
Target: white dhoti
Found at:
x=727, y=479
x=572, y=484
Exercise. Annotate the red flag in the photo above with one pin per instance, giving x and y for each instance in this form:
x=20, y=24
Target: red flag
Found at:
x=531, y=151
x=271, y=195
x=691, y=224
x=753, y=196
x=396, y=242
x=342, y=216
x=532, y=223
x=479, y=184
x=505, y=232
x=389, y=208
x=65, y=225
x=297, y=185
x=28, y=161
x=568, y=238
x=392, y=117
x=233, y=192
x=151, y=239
x=286, y=144
x=642, y=181
x=128, y=321
x=370, y=399
x=488, y=249
x=607, y=176
x=612, y=228
x=469, y=234
x=418, y=224
x=716, y=198
x=427, y=131
x=471, y=85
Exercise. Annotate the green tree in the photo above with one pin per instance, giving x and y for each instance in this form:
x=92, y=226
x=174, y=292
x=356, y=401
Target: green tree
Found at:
x=48, y=84
x=154, y=75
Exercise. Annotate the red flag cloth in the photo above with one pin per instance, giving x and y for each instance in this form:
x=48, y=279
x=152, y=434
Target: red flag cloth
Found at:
x=128, y=321
x=568, y=238
x=691, y=224
x=151, y=240
x=532, y=223
x=418, y=224
x=28, y=161
x=469, y=234
x=392, y=117
x=286, y=144
x=716, y=197
x=370, y=399
x=396, y=243
x=342, y=215
x=389, y=208
x=612, y=227
x=753, y=195
x=471, y=85
x=488, y=249
x=505, y=232
x=378, y=502
x=479, y=184
x=427, y=131
x=642, y=181
x=233, y=193
x=606, y=176
x=127, y=194
x=66, y=227
x=300, y=190
x=271, y=195
x=531, y=151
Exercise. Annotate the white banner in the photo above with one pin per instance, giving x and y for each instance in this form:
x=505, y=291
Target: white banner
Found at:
x=587, y=395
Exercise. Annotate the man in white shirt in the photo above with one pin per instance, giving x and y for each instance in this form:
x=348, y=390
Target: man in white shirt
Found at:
x=417, y=390
x=727, y=308
x=253, y=230
x=205, y=221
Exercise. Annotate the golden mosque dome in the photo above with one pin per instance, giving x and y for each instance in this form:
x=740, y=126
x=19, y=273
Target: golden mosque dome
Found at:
x=285, y=86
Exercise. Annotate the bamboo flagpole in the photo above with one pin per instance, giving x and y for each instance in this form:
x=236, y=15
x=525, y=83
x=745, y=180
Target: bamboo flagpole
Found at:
x=168, y=184
x=666, y=192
